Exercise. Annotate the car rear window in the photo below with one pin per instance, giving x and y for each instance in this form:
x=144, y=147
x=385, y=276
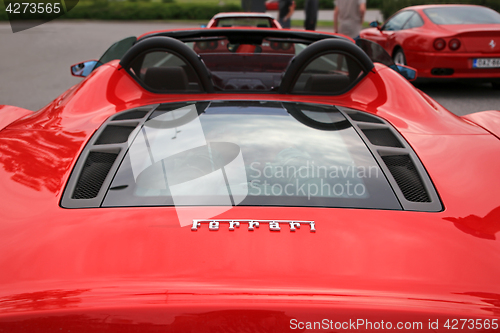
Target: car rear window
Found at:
x=249, y=154
x=462, y=15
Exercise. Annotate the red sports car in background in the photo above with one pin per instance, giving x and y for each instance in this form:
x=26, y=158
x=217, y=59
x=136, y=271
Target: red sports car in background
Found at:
x=443, y=41
x=256, y=20
x=273, y=4
x=177, y=190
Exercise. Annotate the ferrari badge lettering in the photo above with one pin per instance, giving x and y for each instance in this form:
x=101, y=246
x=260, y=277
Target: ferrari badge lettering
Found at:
x=274, y=226
x=252, y=225
x=233, y=224
x=294, y=226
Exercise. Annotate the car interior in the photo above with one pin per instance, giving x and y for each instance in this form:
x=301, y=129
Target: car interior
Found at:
x=330, y=66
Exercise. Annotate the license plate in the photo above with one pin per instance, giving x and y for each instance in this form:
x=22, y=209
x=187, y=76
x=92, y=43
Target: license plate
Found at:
x=486, y=63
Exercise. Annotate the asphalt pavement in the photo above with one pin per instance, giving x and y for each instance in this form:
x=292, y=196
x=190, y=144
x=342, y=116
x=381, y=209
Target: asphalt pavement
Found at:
x=35, y=63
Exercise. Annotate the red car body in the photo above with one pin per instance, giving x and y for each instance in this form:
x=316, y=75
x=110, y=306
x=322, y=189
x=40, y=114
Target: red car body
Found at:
x=135, y=269
x=273, y=4
x=427, y=46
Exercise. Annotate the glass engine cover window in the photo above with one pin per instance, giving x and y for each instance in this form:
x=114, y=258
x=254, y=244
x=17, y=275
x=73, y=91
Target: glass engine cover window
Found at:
x=162, y=71
x=250, y=154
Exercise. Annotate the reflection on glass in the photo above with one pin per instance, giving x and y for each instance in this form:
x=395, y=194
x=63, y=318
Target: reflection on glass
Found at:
x=250, y=153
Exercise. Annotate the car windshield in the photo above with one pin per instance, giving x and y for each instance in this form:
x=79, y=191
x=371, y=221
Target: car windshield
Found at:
x=249, y=154
x=247, y=66
x=462, y=15
x=258, y=72
x=260, y=22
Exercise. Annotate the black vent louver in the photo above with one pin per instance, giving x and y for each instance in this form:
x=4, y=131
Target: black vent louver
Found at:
x=115, y=134
x=401, y=165
x=128, y=115
x=100, y=158
x=363, y=117
x=382, y=137
x=94, y=173
x=404, y=172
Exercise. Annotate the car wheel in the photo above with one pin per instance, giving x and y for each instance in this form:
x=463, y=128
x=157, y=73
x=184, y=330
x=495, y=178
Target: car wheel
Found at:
x=495, y=85
x=399, y=57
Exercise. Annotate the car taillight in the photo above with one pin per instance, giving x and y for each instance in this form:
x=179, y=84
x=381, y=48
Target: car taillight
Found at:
x=439, y=44
x=454, y=44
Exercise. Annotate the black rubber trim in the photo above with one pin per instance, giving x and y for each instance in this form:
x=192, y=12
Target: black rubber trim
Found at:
x=238, y=35
x=315, y=50
x=174, y=46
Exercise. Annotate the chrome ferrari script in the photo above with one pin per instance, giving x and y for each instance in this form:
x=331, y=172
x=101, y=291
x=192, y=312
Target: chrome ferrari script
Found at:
x=274, y=225
x=493, y=44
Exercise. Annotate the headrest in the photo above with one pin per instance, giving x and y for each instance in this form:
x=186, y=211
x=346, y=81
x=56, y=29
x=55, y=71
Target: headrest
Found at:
x=173, y=46
x=359, y=59
x=166, y=78
x=326, y=83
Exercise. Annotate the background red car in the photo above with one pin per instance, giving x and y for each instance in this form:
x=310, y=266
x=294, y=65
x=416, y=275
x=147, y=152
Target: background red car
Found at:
x=257, y=20
x=273, y=4
x=443, y=41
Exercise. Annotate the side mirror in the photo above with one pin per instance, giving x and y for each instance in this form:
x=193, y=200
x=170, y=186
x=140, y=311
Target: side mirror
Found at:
x=376, y=24
x=83, y=69
x=408, y=72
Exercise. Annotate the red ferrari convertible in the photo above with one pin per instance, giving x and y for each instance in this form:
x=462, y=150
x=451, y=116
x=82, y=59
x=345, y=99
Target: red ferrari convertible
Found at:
x=443, y=41
x=178, y=190
x=259, y=20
